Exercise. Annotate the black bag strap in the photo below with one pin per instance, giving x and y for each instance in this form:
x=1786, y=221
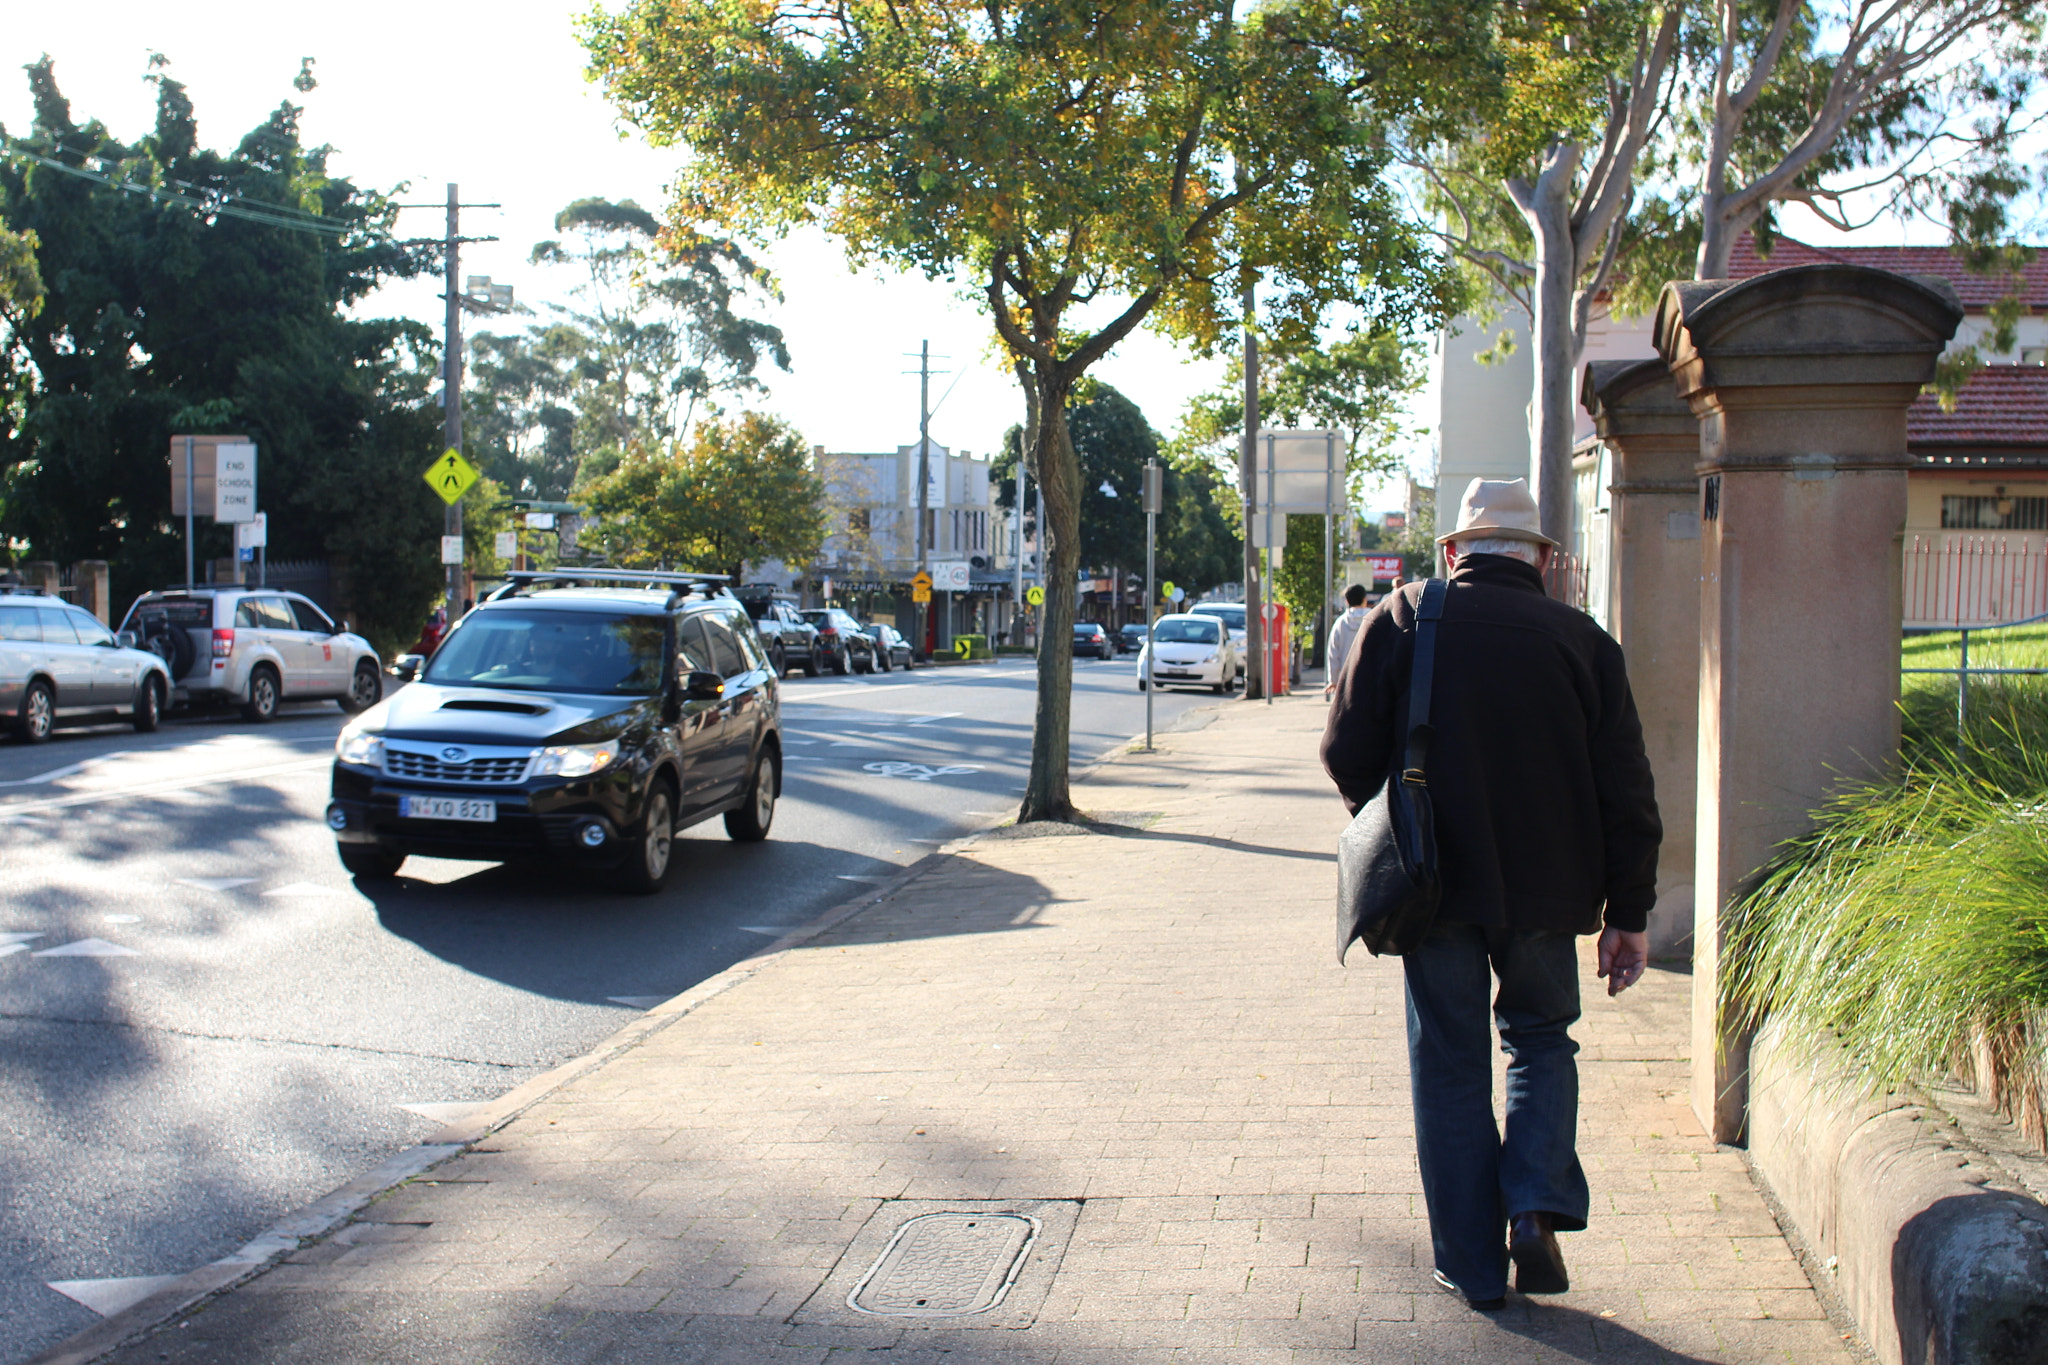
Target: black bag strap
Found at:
x=1421, y=676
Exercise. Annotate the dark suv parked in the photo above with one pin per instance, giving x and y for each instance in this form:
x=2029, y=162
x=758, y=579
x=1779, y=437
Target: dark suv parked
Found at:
x=785, y=635
x=842, y=643
x=578, y=717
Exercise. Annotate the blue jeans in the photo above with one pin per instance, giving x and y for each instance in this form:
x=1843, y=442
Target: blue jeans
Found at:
x=1472, y=1180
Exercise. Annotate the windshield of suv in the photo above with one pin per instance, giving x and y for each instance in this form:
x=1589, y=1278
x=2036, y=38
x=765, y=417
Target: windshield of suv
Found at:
x=1186, y=632
x=552, y=651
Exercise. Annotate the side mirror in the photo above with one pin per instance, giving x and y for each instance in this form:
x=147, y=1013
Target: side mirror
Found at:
x=406, y=667
x=125, y=639
x=703, y=687
x=342, y=629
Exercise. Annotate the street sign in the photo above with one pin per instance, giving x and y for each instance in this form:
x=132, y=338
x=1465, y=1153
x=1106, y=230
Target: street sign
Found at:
x=254, y=533
x=205, y=454
x=540, y=521
x=234, y=482
x=1178, y=595
x=923, y=580
x=451, y=549
x=920, y=595
x=1166, y=591
x=506, y=544
x=1035, y=595
x=451, y=476
x=953, y=575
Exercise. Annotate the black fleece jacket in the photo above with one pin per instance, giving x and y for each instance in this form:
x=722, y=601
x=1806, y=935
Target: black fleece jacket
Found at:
x=1545, y=811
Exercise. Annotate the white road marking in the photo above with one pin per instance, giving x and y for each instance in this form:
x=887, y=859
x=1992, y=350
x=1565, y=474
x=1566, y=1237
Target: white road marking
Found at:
x=89, y=947
x=108, y=1297
x=302, y=889
x=787, y=740
x=9, y=948
x=215, y=883
x=638, y=1002
x=16, y=809
x=68, y=770
x=122, y=919
x=26, y=820
x=767, y=930
x=18, y=937
x=920, y=772
x=927, y=720
x=857, y=877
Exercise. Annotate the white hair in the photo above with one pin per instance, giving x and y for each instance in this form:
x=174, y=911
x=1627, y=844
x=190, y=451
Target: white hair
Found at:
x=1528, y=551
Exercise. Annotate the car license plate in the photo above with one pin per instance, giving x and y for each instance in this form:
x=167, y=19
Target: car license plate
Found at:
x=1173, y=673
x=446, y=808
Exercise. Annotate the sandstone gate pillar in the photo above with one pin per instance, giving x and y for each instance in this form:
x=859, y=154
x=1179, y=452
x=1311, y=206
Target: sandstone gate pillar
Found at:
x=1800, y=379
x=1655, y=610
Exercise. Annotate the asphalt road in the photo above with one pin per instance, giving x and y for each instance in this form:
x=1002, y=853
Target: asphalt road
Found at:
x=204, y=1023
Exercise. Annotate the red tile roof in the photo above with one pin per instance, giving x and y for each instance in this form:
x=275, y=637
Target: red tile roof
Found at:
x=2001, y=406
x=1978, y=292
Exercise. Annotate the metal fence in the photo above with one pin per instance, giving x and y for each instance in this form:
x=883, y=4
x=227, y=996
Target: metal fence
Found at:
x=1565, y=579
x=1973, y=582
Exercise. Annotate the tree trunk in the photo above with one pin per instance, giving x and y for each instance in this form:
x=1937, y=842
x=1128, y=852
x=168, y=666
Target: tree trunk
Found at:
x=1717, y=238
x=1553, y=412
x=1059, y=484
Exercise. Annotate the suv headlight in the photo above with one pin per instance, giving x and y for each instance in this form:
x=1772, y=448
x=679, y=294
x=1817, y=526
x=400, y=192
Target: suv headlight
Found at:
x=575, y=760
x=360, y=746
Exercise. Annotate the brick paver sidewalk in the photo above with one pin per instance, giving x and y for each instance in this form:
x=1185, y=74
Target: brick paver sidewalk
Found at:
x=1139, y=1037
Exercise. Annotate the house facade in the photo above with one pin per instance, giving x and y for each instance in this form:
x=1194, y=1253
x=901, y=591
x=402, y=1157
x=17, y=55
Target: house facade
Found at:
x=1990, y=453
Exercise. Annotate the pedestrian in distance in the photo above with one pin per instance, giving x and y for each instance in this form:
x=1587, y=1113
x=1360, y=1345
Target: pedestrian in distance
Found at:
x=1546, y=828
x=1341, y=636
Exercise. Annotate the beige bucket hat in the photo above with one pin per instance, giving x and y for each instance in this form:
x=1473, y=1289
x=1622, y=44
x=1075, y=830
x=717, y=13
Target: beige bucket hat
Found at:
x=1498, y=507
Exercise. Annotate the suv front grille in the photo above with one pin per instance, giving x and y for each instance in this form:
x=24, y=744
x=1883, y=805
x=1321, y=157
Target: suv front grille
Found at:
x=488, y=769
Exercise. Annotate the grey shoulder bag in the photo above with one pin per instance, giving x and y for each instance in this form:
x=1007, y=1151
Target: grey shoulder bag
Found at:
x=1387, y=884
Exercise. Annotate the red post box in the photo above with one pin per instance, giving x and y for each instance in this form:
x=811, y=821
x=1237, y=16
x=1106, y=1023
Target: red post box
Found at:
x=1276, y=648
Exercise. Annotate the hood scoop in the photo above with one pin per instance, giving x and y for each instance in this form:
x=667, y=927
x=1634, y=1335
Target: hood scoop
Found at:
x=517, y=708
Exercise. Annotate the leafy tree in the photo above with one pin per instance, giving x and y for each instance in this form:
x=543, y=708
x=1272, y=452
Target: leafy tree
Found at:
x=1152, y=156
x=188, y=288
x=655, y=337
x=742, y=489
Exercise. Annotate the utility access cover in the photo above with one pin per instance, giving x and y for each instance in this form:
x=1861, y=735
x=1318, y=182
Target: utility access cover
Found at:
x=946, y=1265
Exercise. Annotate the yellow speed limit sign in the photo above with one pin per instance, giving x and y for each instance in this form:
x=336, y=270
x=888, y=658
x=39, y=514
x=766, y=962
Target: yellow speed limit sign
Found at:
x=1035, y=595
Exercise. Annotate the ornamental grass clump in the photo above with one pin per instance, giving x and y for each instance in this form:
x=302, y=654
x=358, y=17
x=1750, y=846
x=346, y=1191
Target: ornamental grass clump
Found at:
x=1911, y=926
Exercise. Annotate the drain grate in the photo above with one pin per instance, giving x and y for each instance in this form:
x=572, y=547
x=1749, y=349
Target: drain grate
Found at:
x=946, y=1265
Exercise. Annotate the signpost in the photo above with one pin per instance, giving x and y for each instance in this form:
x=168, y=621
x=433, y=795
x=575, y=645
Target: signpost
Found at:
x=252, y=539
x=921, y=588
x=197, y=463
x=1302, y=472
x=1155, y=498
x=1035, y=595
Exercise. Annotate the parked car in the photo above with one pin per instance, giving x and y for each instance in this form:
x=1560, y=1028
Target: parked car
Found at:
x=892, y=646
x=1090, y=638
x=60, y=665
x=1232, y=616
x=254, y=647
x=842, y=643
x=1189, y=651
x=1131, y=638
x=786, y=637
x=577, y=717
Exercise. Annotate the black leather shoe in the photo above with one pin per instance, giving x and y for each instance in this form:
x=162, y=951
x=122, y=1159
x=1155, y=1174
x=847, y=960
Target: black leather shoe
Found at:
x=1445, y=1283
x=1539, y=1264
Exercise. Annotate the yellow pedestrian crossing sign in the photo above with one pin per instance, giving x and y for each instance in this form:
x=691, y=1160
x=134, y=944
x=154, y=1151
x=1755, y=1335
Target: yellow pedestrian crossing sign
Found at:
x=451, y=476
x=1035, y=595
x=921, y=587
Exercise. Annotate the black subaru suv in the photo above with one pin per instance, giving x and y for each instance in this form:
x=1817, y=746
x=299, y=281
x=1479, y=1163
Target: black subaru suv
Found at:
x=578, y=717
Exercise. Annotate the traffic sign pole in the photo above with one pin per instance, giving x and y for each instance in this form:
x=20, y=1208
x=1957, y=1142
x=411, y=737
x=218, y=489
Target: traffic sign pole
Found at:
x=1155, y=496
x=451, y=387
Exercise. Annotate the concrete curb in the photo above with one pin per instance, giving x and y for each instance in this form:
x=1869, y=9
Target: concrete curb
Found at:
x=1935, y=1264
x=331, y=1211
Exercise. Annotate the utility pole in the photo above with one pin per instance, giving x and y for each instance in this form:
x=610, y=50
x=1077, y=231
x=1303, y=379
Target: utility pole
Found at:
x=451, y=383
x=924, y=486
x=1017, y=598
x=1248, y=480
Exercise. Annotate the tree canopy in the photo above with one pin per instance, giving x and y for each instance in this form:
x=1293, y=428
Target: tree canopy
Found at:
x=1083, y=168
x=188, y=289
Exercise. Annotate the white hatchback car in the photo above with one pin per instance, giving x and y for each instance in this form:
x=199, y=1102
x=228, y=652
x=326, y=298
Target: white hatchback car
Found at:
x=1192, y=651
x=1231, y=614
x=255, y=647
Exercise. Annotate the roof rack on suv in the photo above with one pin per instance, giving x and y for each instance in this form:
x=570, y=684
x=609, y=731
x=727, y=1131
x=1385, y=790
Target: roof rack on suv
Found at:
x=683, y=583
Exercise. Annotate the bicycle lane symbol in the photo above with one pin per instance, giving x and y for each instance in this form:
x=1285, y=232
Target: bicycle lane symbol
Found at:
x=920, y=772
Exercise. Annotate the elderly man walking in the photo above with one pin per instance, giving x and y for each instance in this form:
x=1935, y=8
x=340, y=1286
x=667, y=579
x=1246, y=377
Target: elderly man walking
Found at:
x=1547, y=829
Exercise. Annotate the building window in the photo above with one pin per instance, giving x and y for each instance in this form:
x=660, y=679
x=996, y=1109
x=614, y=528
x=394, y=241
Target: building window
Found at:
x=1996, y=513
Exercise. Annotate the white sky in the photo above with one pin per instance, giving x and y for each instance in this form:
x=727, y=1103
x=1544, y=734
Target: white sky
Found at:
x=512, y=120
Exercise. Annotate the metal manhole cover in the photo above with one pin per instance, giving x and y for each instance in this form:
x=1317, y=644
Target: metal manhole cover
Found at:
x=946, y=1265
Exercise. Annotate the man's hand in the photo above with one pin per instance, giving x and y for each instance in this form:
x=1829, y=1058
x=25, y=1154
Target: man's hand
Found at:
x=1623, y=955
